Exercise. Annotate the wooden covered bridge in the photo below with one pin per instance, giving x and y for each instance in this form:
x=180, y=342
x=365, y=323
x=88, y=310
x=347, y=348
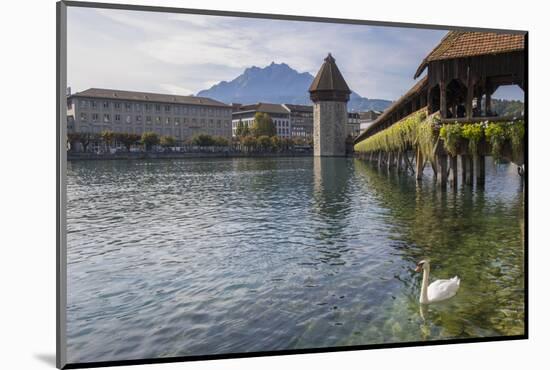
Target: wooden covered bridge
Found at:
x=448, y=114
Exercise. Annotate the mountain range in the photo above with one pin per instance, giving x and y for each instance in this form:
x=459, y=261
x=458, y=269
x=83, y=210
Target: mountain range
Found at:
x=278, y=83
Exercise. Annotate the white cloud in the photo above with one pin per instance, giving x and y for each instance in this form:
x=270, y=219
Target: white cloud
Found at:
x=186, y=53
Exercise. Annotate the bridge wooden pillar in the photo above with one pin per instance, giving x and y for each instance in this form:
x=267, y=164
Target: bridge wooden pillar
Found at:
x=480, y=169
x=419, y=164
x=379, y=159
x=441, y=165
x=389, y=164
x=453, y=162
x=443, y=98
x=467, y=169
x=400, y=162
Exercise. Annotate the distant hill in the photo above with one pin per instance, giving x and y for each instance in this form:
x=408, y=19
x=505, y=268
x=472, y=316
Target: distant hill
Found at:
x=278, y=83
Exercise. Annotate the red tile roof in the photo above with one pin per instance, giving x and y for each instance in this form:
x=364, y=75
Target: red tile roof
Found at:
x=457, y=44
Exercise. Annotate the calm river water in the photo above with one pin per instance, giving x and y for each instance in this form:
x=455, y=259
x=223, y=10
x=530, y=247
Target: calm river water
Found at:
x=191, y=257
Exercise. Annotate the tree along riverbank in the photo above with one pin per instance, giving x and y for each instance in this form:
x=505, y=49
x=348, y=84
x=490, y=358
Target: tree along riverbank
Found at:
x=180, y=155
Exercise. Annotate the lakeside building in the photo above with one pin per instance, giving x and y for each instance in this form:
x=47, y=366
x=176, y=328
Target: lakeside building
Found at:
x=95, y=110
x=367, y=118
x=278, y=113
x=291, y=120
x=301, y=120
x=353, y=126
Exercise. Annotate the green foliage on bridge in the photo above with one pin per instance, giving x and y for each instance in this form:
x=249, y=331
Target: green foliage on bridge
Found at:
x=496, y=134
x=421, y=131
x=414, y=130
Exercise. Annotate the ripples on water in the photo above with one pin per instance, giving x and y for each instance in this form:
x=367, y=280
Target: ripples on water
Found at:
x=192, y=257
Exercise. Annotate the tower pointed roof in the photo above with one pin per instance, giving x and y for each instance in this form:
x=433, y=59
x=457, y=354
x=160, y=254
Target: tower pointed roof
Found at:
x=329, y=84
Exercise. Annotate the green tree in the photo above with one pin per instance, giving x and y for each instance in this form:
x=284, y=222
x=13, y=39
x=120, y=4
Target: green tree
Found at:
x=127, y=139
x=264, y=142
x=108, y=137
x=263, y=125
x=167, y=141
x=149, y=139
x=276, y=143
x=221, y=141
x=240, y=128
x=249, y=142
x=203, y=140
x=246, y=130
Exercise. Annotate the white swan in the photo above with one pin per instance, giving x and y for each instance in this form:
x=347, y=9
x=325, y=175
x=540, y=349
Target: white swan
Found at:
x=439, y=290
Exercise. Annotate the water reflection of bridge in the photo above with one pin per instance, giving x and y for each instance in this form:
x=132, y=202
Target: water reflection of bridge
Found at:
x=474, y=234
x=463, y=72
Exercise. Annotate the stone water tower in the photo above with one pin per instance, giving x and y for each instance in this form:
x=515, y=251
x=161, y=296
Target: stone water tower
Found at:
x=330, y=94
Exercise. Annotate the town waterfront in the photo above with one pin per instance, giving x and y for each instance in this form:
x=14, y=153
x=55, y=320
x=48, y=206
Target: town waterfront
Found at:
x=209, y=256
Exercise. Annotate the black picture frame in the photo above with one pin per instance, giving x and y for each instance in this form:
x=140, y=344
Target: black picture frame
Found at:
x=61, y=169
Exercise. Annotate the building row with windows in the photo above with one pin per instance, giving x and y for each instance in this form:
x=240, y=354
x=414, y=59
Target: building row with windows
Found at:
x=367, y=118
x=278, y=112
x=96, y=110
x=291, y=120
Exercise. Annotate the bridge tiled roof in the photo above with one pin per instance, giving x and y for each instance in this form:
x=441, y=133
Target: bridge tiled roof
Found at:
x=458, y=44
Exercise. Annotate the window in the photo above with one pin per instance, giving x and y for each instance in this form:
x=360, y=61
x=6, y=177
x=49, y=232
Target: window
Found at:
x=157, y=120
x=137, y=106
x=167, y=108
x=106, y=117
x=176, y=109
x=147, y=107
x=167, y=120
x=138, y=119
x=184, y=110
x=117, y=106
x=148, y=120
x=157, y=108
x=128, y=118
x=117, y=118
x=95, y=117
x=83, y=117
x=94, y=104
x=83, y=104
x=106, y=104
x=177, y=120
x=128, y=107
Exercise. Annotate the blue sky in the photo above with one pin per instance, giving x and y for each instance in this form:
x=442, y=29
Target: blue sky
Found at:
x=183, y=54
